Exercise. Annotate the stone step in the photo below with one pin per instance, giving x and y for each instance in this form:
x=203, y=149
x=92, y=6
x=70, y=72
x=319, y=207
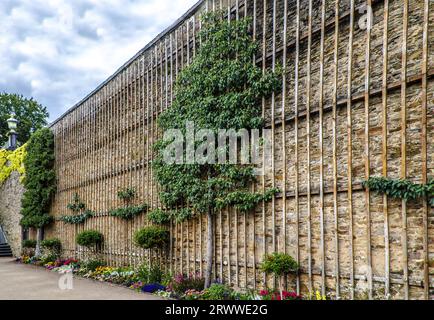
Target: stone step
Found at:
x=5, y=250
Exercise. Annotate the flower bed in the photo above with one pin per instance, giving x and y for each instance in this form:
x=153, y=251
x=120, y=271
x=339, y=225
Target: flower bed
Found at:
x=152, y=280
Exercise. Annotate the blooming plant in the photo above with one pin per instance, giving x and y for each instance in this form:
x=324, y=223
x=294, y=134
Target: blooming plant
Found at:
x=193, y=294
x=276, y=295
x=316, y=296
x=181, y=283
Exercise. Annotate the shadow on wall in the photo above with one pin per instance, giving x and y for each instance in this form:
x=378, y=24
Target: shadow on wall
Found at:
x=11, y=192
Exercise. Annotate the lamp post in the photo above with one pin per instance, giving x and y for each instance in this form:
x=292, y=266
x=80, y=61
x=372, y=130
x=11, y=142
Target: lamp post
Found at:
x=12, y=125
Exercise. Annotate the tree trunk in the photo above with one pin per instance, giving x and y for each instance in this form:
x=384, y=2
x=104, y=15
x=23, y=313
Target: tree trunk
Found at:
x=38, y=242
x=209, y=249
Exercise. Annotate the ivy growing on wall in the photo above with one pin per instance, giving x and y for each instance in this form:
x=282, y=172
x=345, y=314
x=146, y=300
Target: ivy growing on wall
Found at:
x=81, y=213
x=222, y=88
x=11, y=161
x=40, y=179
x=401, y=188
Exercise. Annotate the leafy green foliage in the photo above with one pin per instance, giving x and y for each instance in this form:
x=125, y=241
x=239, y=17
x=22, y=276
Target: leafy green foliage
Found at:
x=30, y=244
x=40, y=179
x=159, y=216
x=218, y=291
x=53, y=244
x=401, y=188
x=221, y=89
x=128, y=212
x=152, y=274
x=127, y=194
x=79, y=218
x=92, y=265
x=77, y=205
x=31, y=116
x=81, y=214
x=89, y=238
x=151, y=237
x=279, y=264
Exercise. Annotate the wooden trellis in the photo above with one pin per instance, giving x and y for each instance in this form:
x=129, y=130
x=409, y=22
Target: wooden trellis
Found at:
x=355, y=102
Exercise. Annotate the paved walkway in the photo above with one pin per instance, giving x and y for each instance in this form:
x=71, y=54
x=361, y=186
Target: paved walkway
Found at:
x=26, y=282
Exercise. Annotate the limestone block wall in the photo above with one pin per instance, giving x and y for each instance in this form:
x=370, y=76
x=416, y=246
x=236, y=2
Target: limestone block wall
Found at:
x=11, y=193
x=355, y=102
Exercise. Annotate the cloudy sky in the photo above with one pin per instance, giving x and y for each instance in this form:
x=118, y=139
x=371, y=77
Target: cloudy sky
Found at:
x=58, y=51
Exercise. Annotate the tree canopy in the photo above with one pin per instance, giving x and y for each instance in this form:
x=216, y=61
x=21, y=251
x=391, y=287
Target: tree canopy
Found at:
x=30, y=114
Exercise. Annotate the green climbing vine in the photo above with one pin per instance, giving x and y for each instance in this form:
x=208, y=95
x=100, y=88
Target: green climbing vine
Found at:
x=222, y=88
x=129, y=211
x=401, y=188
x=40, y=179
x=81, y=213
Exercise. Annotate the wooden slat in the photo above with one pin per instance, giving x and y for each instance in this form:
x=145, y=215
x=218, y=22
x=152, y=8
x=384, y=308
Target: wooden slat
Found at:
x=264, y=218
x=403, y=170
x=253, y=185
x=366, y=153
x=335, y=178
x=426, y=274
x=296, y=165
x=308, y=103
x=350, y=150
x=384, y=148
x=321, y=150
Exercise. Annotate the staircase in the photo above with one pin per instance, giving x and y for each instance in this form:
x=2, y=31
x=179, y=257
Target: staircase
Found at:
x=5, y=249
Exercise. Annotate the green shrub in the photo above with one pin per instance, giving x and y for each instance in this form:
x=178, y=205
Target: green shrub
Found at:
x=30, y=244
x=49, y=258
x=159, y=216
x=279, y=264
x=218, y=292
x=91, y=265
x=151, y=237
x=89, y=238
x=53, y=245
x=152, y=274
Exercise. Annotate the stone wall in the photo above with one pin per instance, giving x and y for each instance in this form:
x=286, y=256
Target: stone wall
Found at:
x=10, y=206
x=347, y=113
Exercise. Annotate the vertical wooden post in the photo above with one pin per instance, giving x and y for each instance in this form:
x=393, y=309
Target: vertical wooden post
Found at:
x=321, y=149
x=384, y=148
x=308, y=102
x=404, y=145
x=367, y=156
x=426, y=283
x=264, y=58
x=296, y=165
x=350, y=149
x=335, y=178
x=253, y=185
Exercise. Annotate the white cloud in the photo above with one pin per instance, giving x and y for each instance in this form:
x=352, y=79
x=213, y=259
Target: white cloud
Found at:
x=57, y=51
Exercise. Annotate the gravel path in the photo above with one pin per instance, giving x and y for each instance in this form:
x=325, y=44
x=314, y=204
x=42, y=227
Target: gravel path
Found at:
x=26, y=282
